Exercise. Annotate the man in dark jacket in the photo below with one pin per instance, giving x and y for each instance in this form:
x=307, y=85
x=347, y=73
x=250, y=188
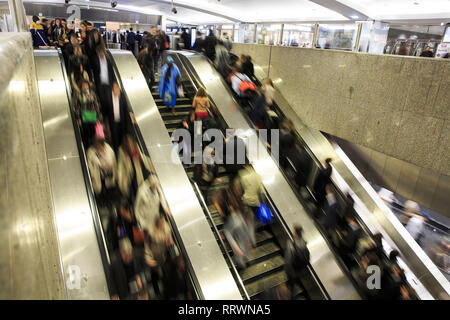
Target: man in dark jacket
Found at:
x=322, y=179
x=131, y=40
x=350, y=237
x=302, y=164
x=103, y=77
x=210, y=46
x=124, y=272
x=186, y=39
x=427, y=53
x=199, y=44
x=146, y=63
x=296, y=259
x=154, y=45
x=116, y=116
x=234, y=158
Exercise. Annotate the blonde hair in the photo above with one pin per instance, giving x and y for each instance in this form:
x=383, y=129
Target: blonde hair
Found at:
x=201, y=92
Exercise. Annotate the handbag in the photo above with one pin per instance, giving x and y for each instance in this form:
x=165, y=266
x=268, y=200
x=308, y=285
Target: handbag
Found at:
x=138, y=236
x=263, y=214
x=99, y=133
x=88, y=116
x=246, y=85
x=180, y=92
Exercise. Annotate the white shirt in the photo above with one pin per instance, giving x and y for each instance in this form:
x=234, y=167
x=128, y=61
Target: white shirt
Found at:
x=146, y=206
x=236, y=82
x=104, y=79
x=116, y=107
x=269, y=92
x=415, y=227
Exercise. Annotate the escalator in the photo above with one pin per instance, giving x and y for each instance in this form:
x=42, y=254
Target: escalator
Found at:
x=346, y=179
x=324, y=263
x=100, y=213
x=264, y=270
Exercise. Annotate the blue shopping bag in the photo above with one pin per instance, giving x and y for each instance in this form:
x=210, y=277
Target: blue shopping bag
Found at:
x=263, y=214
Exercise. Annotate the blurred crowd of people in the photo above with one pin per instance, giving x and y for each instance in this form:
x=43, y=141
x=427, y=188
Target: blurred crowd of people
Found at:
x=335, y=214
x=145, y=263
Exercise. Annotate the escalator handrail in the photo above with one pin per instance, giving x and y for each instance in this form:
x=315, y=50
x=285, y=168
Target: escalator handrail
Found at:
x=104, y=254
x=274, y=209
x=235, y=271
x=319, y=165
x=291, y=238
x=140, y=141
x=315, y=160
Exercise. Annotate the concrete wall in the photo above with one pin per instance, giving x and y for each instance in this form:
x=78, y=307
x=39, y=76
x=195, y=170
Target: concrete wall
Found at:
x=395, y=107
x=29, y=254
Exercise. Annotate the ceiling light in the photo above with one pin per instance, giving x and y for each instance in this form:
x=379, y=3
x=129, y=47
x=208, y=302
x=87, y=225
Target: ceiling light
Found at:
x=442, y=23
x=354, y=17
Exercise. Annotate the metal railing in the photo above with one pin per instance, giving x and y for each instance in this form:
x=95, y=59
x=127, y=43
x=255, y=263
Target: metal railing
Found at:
x=211, y=220
x=140, y=141
x=104, y=253
x=191, y=73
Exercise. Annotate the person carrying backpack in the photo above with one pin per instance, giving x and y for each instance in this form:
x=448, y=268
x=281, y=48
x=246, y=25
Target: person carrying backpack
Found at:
x=296, y=259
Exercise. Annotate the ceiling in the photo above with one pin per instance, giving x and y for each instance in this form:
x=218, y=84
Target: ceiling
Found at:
x=227, y=11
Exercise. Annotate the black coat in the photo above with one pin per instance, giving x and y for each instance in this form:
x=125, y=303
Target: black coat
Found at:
x=118, y=276
x=95, y=65
x=186, y=38
x=322, y=179
x=109, y=110
x=210, y=47
x=199, y=45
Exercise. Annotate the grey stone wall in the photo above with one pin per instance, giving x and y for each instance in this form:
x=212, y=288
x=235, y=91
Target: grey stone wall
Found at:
x=29, y=254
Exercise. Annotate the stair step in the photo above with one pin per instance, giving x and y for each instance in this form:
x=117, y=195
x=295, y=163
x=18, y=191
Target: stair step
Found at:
x=262, y=267
x=262, y=251
x=263, y=284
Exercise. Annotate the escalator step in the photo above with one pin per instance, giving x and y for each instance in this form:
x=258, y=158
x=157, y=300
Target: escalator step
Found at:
x=266, y=266
x=263, y=236
x=182, y=107
x=263, y=251
x=172, y=123
x=266, y=283
x=180, y=115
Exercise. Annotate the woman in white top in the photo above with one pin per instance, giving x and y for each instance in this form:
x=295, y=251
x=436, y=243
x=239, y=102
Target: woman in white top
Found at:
x=102, y=166
x=148, y=202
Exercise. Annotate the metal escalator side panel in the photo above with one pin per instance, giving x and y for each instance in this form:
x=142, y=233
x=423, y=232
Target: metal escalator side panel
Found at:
x=210, y=268
x=81, y=259
x=323, y=261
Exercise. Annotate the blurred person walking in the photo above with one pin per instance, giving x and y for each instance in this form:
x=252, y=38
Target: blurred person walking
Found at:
x=125, y=273
x=149, y=204
x=133, y=168
x=102, y=169
x=296, y=260
x=169, y=83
